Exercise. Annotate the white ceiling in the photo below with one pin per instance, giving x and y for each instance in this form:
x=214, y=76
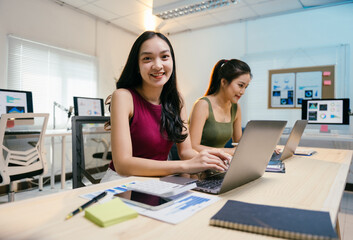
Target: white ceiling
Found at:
x=132, y=15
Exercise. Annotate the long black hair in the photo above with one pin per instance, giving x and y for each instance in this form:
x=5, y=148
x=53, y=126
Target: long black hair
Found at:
x=171, y=122
x=227, y=69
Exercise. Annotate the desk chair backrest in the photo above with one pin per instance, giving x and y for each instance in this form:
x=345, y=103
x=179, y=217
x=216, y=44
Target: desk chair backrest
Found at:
x=21, y=141
x=79, y=170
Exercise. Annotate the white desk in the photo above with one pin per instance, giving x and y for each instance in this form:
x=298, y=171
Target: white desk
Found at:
x=58, y=133
x=314, y=183
x=325, y=140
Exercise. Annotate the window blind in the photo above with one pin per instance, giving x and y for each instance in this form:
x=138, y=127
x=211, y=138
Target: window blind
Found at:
x=52, y=74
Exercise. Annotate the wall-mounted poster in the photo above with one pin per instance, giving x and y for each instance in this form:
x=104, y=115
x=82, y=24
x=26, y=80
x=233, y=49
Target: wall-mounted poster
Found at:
x=308, y=86
x=282, y=92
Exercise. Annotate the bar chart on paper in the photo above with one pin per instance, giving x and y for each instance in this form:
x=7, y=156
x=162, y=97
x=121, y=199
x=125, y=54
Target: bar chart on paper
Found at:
x=183, y=208
x=185, y=205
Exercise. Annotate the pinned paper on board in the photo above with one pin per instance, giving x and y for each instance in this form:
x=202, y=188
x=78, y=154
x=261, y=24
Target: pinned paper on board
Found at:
x=309, y=86
x=289, y=87
x=282, y=90
x=327, y=82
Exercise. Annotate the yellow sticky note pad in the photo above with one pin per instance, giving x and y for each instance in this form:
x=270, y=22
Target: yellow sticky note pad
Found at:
x=109, y=213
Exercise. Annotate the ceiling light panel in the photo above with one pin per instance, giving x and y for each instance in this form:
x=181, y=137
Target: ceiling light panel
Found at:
x=175, y=9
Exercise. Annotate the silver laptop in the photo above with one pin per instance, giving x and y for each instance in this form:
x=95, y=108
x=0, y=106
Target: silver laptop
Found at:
x=292, y=141
x=250, y=158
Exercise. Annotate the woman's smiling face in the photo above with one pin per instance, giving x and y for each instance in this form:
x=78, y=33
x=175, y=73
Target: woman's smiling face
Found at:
x=155, y=62
x=235, y=89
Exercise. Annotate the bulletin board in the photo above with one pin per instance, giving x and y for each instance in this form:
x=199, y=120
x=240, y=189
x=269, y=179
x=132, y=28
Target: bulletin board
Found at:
x=288, y=87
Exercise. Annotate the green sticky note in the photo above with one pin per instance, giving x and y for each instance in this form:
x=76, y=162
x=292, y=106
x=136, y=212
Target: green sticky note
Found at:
x=109, y=213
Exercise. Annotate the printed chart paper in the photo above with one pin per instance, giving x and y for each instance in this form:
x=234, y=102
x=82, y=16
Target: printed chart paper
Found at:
x=186, y=204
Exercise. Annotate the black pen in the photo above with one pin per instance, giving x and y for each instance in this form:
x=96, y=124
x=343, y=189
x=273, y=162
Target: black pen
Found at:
x=80, y=209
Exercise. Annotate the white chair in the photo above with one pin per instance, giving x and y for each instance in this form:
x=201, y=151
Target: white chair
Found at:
x=22, y=152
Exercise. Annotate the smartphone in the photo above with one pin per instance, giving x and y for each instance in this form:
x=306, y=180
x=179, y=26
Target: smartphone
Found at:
x=145, y=200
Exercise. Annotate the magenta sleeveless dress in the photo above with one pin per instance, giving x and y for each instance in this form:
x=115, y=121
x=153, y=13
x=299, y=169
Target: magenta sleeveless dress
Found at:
x=147, y=141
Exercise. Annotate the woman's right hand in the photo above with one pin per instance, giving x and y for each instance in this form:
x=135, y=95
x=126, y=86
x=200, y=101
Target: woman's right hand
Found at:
x=208, y=159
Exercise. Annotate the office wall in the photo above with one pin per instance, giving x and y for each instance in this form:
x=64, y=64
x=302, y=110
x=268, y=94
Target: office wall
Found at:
x=297, y=36
x=314, y=37
x=47, y=22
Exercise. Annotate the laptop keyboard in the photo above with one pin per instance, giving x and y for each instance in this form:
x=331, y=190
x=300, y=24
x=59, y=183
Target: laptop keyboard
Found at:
x=209, y=183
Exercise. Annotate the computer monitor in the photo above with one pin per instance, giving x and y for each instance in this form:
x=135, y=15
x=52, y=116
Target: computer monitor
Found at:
x=88, y=106
x=15, y=101
x=326, y=111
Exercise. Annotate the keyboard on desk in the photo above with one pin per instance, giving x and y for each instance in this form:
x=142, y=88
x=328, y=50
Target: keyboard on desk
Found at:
x=209, y=183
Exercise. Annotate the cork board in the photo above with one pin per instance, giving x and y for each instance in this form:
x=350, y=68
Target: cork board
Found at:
x=288, y=87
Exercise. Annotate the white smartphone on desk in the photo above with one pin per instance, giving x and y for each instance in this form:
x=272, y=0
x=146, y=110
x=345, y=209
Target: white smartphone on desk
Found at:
x=145, y=200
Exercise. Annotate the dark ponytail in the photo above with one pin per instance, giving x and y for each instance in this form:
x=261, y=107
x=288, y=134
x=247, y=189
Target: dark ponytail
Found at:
x=227, y=69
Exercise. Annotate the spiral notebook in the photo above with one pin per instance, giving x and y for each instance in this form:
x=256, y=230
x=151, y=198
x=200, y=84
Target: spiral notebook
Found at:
x=275, y=221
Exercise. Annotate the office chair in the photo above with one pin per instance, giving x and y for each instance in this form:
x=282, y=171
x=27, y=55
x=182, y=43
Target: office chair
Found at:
x=79, y=170
x=106, y=155
x=22, y=152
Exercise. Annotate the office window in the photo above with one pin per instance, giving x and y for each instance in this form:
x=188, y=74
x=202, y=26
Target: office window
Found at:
x=52, y=74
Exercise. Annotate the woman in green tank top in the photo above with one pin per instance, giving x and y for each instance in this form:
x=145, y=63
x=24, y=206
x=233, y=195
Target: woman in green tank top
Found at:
x=216, y=117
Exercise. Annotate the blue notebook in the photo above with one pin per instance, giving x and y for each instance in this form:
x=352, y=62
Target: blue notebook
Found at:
x=274, y=221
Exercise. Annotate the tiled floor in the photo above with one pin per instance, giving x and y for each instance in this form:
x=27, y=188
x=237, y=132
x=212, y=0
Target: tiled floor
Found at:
x=345, y=216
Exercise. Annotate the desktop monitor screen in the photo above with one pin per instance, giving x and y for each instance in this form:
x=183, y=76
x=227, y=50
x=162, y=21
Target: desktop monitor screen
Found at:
x=326, y=111
x=14, y=101
x=88, y=106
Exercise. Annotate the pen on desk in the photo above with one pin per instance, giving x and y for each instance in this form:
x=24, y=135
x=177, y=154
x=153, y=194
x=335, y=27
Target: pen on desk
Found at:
x=80, y=209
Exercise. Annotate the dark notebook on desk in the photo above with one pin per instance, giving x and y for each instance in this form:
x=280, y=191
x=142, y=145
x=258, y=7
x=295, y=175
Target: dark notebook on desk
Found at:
x=250, y=157
x=274, y=221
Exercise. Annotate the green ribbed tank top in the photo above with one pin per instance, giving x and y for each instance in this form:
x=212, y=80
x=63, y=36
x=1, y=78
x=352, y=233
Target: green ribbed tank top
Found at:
x=217, y=134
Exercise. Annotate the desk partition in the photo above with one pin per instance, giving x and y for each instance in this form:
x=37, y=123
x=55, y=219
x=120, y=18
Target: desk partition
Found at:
x=78, y=156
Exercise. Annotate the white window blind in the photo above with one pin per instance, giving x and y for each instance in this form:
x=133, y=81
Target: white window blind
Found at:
x=52, y=74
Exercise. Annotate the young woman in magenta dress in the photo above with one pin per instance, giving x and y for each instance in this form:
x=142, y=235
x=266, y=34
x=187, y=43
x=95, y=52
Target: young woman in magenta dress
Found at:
x=148, y=116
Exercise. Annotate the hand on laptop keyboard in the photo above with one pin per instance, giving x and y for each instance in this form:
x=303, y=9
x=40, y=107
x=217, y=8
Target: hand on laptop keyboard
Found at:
x=278, y=150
